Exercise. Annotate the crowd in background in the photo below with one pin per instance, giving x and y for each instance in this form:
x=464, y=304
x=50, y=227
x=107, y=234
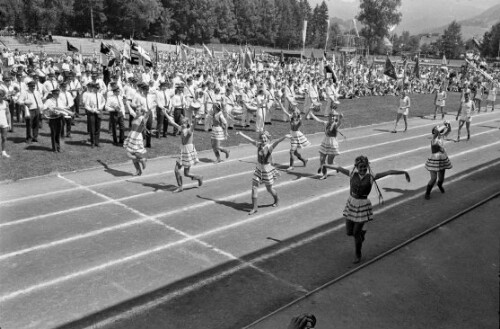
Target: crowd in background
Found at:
x=247, y=93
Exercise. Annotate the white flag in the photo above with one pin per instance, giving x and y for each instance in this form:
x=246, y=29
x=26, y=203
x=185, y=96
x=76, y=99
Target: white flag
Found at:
x=327, y=31
x=355, y=27
x=304, y=33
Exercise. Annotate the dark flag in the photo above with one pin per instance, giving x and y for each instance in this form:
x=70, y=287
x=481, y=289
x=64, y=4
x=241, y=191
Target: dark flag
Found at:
x=389, y=69
x=106, y=54
x=312, y=56
x=416, y=69
x=329, y=73
x=477, y=43
x=71, y=47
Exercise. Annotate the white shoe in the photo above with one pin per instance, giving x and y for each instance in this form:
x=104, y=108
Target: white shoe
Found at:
x=196, y=160
x=5, y=155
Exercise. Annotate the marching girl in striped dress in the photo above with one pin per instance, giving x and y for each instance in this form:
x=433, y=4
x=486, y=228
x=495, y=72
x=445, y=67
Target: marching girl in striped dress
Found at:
x=264, y=173
x=188, y=153
x=219, y=132
x=358, y=209
x=297, y=140
x=134, y=143
x=329, y=146
x=438, y=161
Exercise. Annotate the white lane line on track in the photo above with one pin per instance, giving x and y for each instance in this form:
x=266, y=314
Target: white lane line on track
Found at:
x=202, y=166
x=152, y=219
x=29, y=219
x=154, y=174
x=175, y=211
x=310, y=239
x=246, y=221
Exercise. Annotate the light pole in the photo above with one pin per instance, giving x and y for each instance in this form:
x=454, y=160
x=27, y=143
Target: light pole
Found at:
x=92, y=19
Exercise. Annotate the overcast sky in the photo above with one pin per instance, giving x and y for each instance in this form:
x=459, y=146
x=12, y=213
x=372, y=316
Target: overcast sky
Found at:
x=417, y=14
x=346, y=9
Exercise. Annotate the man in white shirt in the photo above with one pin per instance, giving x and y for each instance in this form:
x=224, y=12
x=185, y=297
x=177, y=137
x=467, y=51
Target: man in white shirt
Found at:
x=94, y=104
x=147, y=102
x=116, y=109
x=33, y=103
x=75, y=88
x=66, y=101
x=55, y=119
x=50, y=85
x=163, y=100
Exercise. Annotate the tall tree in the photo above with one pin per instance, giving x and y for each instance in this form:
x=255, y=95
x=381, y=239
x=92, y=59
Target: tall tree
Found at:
x=81, y=20
x=45, y=15
x=225, y=29
x=267, y=27
x=333, y=33
x=320, y=25
x=451, y=44
x=132, y=17
x=491, y=42
x=12, y=13
x=376, y=17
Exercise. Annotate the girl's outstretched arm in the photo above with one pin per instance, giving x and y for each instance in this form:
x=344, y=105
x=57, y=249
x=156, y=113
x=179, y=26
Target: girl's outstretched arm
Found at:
x=172, y=122
x=315, y=117
x=247, y=138
x=338, y=168
x=276, y=142
x=392, y=172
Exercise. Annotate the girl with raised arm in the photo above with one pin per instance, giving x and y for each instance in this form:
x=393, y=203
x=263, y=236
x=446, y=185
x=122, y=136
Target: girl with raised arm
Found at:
x=219, y=132
x=134, y=143
x=358, y=209
x=297, y=140
x=438, y=161
x=188, y=153
x=264, y=173
x=329, y=146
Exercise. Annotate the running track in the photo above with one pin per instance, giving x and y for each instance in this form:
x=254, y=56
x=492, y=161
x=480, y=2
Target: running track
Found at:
x=104, y=246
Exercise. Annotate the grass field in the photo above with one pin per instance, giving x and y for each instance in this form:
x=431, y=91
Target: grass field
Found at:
x=37, y=159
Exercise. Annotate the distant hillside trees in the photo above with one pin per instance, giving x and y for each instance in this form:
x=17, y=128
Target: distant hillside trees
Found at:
x=491, y=42
x=259, y=22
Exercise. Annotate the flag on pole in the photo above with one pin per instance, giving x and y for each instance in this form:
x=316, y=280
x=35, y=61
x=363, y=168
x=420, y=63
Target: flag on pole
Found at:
x=71, y=47
x=106, y=54
x=183, y=53
x=387, y=42
x=207, y=51
x=355, y=27
x=389, y=69
x=139, y=56
x=330, y=74
x=327, y=32
x=248, y=59
x=304, y=31
x=416, y=69
x=126, y=50
x=444, y=64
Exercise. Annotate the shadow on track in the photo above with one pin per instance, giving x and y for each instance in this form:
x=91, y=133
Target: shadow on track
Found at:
x=114, y=172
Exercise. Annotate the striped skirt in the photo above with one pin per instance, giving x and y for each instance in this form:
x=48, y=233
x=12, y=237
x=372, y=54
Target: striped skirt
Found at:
x=217, y=133
x=438, y=161
x=358, y=210
x=265, y=174
x=298, y=140
x=329, y=146
x=188, y=154
x=134, y=143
